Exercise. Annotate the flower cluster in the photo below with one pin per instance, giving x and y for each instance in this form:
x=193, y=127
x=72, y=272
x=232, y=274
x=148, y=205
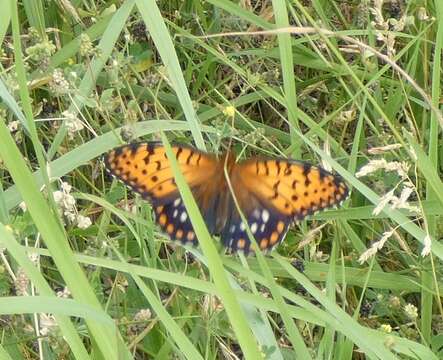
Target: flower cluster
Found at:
x=395, y=202
x=73, y=123
x=59, y=85
x=387, y=28
x=66, y=204
x=86, y=47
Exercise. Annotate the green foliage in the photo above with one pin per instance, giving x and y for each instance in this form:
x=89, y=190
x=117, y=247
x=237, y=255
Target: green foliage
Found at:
x=85, y=272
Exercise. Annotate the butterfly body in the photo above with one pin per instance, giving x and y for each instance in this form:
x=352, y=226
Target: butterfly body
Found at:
x=271, y=193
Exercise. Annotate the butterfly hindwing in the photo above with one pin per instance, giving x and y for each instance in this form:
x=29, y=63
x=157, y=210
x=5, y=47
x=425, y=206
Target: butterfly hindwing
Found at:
x=267, y=225
x=174, y=221
x=267, y=235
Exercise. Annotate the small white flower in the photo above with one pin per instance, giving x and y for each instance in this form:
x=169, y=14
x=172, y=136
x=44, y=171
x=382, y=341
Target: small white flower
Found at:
x=70, y=216
x=66, y=187
x=47, y=324
x=421, y=14
x=34, y=258
x=83, y=222
x=13, y=126
x=386, y=328
x=143, y=315
x=229, y=111
x=23, y=206
x=72, y=122
x=411, y=311
x=65, y=294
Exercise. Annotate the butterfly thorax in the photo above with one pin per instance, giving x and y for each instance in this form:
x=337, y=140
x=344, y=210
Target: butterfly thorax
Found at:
x=214, y=195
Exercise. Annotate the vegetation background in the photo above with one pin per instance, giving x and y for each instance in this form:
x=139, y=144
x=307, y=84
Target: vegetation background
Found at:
x=354, y=85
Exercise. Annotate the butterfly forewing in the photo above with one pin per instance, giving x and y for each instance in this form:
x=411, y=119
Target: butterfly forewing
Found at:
x=292, y=188
x=145, y=168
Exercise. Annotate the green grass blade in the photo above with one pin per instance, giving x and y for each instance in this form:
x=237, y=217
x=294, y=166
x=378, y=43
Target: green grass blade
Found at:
x=5, y=18
x=53, y=305
x=287, y=64
x=54, y=238
x=160, y=34
x=4, y=355
x=105, y=48
x=17, y=252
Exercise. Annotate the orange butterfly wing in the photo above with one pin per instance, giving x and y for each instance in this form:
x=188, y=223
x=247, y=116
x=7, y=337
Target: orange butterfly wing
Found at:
x=272, y=193
x=293, y=188
x=145, y=168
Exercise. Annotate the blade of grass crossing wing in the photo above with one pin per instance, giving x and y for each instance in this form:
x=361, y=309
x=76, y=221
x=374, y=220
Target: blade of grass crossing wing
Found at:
x=292, y=331
x=225, y=291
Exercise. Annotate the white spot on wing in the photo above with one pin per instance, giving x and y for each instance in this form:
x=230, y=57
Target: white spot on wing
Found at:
x=232, y=229
x=254, y=228
x=256, y=213
x=242, y=226
x=177, y=202
x=262, y=227
x=175, y=213
x=183, y=216
x=265, y=215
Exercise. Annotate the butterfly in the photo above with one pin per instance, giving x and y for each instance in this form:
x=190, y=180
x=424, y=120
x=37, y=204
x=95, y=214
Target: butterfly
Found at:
x=271, y=193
